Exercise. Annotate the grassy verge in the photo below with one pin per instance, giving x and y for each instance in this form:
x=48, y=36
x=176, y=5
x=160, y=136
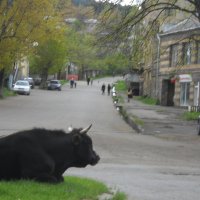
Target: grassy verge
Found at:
x=119, y=196
x=191, y=115
x=120, y=86
x=8, y=93
x=137, y=120
x=73, y=188
x=147, y=100
x=63, y=82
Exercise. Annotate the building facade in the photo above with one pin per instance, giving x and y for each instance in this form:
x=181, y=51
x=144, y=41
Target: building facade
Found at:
x=178, y=64
x=172, y=57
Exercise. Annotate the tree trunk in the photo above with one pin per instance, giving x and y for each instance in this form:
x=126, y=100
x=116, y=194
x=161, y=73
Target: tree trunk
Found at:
x=43, y=84
x=1, y=82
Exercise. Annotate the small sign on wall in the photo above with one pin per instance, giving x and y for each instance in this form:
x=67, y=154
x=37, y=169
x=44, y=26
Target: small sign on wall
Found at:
x=185, y=78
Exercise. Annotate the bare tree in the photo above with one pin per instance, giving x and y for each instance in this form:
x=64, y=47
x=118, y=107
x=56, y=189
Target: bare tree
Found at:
x=150, y=10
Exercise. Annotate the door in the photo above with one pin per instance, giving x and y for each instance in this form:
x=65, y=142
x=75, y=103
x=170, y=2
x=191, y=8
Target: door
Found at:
x=168, y=89
x=170, y=93
x=184, y=95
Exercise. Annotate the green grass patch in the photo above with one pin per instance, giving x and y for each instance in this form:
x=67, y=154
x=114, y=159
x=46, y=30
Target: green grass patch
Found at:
x=137, y=120
x=191, y=115
x=119, y=99
x=73, y=188
x=147, y=100
x=63, y=82
x=120, y=86
x=8, y=93
x=119, y=196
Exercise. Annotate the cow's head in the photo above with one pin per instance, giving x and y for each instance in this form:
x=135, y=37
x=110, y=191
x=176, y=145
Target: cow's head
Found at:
x=83, y=148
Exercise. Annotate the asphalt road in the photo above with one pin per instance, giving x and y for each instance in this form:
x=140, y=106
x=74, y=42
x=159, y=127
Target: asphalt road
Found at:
x=142, y=166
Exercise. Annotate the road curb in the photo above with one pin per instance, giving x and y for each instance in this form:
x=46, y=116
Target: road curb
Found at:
x=128, y=119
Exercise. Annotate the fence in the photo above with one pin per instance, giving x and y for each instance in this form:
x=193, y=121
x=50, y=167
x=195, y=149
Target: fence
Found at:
x=194, y=108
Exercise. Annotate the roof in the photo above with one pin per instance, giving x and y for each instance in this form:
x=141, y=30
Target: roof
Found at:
x=185, y=25
x=132, y=78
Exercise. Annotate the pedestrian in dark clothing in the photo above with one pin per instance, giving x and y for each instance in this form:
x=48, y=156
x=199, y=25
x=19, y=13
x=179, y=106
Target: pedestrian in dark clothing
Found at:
x=71, y=83
x=88, y=80
x=103, y=87
x=129, y=94
x=109, y=88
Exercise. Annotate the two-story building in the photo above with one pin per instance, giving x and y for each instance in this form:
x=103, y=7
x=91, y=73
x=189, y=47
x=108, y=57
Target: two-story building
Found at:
x=178, y=64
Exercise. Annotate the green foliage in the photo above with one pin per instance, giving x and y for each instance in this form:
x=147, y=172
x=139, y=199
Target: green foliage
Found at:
x=137, y=120
x=21, y=24
x=116, y=62
x=63, y=82
x=119, y=196
x=50, y=57
x=147, y=100
x=191, y=115
x=80, y=49
x=73, y=188
x=7, y=92
x=121, y=86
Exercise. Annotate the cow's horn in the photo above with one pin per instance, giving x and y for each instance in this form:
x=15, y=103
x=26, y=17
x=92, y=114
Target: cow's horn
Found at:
x=85, y=130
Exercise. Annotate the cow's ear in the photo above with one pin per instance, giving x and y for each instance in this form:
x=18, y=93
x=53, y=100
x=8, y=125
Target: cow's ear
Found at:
x=76, y=138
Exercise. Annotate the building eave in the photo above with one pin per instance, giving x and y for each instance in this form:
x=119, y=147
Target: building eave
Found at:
x=178, y=32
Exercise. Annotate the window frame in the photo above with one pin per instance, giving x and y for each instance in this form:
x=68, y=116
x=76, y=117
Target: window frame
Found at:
x=174, y=55
x=187, y=53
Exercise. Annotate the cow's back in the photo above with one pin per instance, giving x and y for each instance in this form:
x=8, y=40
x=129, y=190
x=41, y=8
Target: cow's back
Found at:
x=15, y=147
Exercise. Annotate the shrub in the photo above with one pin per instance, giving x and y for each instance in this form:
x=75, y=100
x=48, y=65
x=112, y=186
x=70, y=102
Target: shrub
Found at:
x=191, y=115
x=147, y=100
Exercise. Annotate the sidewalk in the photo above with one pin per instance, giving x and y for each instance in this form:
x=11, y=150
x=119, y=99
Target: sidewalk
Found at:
x=157, y=120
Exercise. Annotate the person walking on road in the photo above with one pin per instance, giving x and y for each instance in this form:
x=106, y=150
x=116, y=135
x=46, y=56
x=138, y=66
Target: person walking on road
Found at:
x=72, y=83
x=88, y=80
x=103, y=87
x=109, y=88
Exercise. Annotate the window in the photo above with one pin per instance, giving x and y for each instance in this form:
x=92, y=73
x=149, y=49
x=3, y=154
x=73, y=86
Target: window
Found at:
x=187, y=53
x=174, y=55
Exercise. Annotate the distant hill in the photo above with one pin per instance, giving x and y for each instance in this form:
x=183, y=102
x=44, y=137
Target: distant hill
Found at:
x=98, y=6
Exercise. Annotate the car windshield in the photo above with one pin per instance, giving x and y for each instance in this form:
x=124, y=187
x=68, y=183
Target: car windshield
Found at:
x=22, y=83
x=55, y=82
x=28, y=79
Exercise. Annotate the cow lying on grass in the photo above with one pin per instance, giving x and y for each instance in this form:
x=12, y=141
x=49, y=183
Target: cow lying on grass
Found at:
x=44, y=155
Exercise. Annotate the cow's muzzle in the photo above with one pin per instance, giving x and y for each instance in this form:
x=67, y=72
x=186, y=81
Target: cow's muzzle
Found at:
x=95, y=159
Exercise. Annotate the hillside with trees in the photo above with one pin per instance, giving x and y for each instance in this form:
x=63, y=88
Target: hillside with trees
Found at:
x=37, y=30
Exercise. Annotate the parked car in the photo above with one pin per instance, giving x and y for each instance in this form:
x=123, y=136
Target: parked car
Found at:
x=54, y=85
x=22, y=87
x=31, y=81
x=37, y=80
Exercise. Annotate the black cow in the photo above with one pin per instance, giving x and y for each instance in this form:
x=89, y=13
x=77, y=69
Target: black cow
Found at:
x=44, y=155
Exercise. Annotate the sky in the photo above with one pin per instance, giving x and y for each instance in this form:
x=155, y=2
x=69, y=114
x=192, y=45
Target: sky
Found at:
x=130, y=2
x=125, y=2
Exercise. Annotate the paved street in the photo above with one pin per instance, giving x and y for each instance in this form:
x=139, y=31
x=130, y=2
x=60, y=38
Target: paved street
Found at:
x=143, y=166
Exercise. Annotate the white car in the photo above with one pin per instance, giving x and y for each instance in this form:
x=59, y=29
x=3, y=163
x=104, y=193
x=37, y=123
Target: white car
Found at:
x=22, y=87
